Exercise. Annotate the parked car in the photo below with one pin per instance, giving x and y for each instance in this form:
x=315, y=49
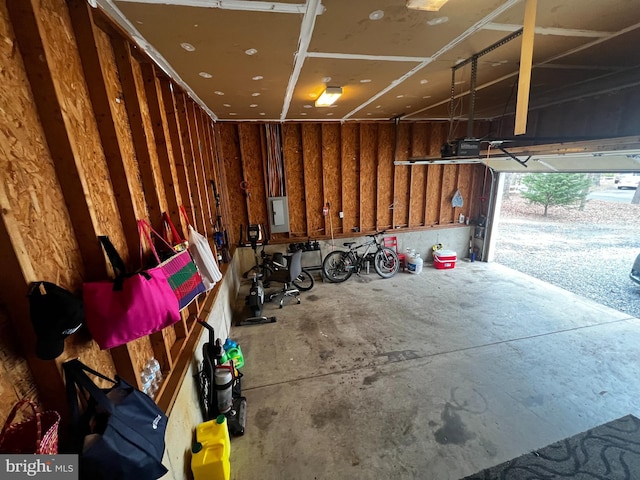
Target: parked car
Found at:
x=635, y=270
x=629, y=181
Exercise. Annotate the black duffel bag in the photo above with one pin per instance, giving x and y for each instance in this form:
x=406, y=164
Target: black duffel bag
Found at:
x=121, y=433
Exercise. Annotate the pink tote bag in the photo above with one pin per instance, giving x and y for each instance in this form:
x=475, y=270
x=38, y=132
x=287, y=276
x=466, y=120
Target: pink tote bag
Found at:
x=129, y=307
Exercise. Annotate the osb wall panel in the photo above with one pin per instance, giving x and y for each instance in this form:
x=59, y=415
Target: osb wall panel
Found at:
x=179, y=152
x=434, y=190
x=351, y=167
x=253, y=169
x=16, y=380
x=294, y=177
x=233, y=170
x=163, y=147
x=417, y=199
x=438, y=135
x=197, y=148
x=57, y=138
x=149, y=165
x=196, y=213
x=129, y=181
x=449, y=187
x=224, y=208
x=312, y=148
x=350, y=173
x=465, y=180
x=402, y=180
x=331, y=173
x=368, y=169
x=200, y=161
x=209, y=159
x=64, y=62
x=30, y=192
x=385, y=177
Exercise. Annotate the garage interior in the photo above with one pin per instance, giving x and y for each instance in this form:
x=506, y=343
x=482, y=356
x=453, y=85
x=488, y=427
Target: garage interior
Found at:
x=123, y=110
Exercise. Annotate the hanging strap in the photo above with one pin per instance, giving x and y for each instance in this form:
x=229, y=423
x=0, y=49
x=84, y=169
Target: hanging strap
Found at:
x=183, y=211
x=74, y=371
x=144, y=231
x=12, y=416
x=168, y=224
x=113, y=255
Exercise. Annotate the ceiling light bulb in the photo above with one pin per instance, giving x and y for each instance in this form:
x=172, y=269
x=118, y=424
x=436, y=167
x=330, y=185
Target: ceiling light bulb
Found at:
x=376, y=15
x=255, y=94
x=365, y=80
x=218, y=92
x=257, y=77
x=326, y=79
x=226, y=105
x=187, y=46
x=329, y=96
x=251, y=51
x=253, y=105
x=428, y=5
x=205, y=75
x=424, y=81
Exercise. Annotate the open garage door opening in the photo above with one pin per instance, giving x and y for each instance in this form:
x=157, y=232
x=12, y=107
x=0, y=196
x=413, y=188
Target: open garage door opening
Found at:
x=587, y=246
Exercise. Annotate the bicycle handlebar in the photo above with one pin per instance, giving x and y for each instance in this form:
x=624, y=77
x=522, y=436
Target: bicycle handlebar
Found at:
x=373, y=235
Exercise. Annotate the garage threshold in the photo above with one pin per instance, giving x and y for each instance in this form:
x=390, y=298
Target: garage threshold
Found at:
x=431, y=376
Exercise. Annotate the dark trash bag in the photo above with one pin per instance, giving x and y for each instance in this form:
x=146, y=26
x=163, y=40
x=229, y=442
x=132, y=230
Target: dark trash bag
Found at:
x=126, y=427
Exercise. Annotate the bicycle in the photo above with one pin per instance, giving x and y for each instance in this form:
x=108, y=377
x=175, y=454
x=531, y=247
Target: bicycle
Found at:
x=339, y=265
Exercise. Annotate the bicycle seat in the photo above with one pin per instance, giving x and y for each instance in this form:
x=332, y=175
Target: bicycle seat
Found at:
x=348, y=244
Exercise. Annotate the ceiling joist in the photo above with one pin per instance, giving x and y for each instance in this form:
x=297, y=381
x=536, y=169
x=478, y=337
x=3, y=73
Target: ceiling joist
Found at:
x=242, y=5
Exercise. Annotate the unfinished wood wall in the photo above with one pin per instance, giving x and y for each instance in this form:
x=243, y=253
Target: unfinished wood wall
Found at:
x=93, y=137
x=349, y=168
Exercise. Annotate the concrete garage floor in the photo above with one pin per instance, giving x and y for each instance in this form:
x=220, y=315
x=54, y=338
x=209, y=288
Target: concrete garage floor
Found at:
x=435, y=376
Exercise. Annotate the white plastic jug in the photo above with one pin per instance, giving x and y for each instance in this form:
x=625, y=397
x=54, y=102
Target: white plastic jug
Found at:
x=414, y=264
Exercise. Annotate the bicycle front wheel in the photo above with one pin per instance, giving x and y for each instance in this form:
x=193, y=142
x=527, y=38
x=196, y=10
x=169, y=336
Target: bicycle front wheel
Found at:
x=304, y=281
x=386, y=262
x=337, y=266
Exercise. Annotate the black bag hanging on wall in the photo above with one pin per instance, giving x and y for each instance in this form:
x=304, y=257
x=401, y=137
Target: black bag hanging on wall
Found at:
x=121, y=434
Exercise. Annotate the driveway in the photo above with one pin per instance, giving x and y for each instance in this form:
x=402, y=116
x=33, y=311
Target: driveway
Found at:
x=589, y=253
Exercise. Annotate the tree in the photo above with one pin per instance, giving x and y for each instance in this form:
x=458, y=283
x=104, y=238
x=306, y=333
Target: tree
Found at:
x=556, y=189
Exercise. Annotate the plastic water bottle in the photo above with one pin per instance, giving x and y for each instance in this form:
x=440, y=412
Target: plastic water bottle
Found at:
x=146, y=378
x=157, y=371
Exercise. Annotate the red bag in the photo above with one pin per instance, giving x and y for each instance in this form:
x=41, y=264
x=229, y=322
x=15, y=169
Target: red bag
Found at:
x=37, y=434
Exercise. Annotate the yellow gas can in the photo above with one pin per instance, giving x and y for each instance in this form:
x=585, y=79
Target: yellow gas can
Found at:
x=210, y=453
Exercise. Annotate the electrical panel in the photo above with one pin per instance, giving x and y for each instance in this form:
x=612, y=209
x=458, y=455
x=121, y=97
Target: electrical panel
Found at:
x=278, y=214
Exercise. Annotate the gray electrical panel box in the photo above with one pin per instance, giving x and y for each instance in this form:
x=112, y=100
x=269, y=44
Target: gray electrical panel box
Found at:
x=278, y=214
